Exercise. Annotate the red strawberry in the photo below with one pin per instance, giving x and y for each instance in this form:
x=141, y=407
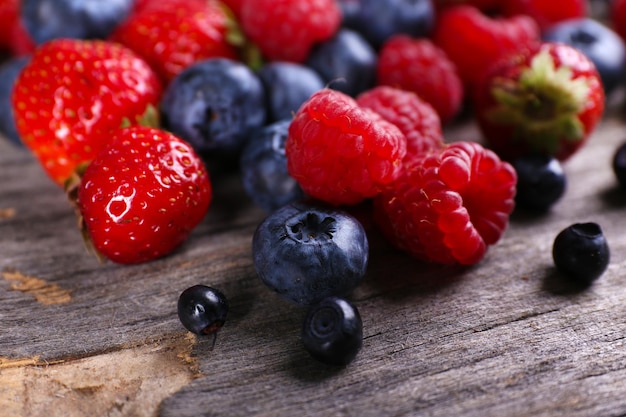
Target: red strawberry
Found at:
x=449, y=206
x=234, y=6
x=142, y=195
x=21, y=42
x=286, y=30
x=546, y=100
x=617, y=17
x=545, y=13
x=13, y=36
x=473, y=41
x=73, y=94
x=484, y=5
x=173, y=34
x=420, y=66
x=341, y=153
x=415, y=118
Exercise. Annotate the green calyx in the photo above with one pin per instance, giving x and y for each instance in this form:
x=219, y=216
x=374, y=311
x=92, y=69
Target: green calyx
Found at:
x=149, y=118
x=542, y=106
x=249, y=53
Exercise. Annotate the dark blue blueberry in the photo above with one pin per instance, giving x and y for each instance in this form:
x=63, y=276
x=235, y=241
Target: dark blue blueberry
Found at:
x=80, y=19
x=287, y=86
x=214, y=104
x=581, y=252
x=332, y=331
x=202, y=310
x=619, y=164
x=541, y=182
x=347, y=62
x=9, y=71
x=264, y=168
x=308, y=252
x=378, y=20
x=598, y=42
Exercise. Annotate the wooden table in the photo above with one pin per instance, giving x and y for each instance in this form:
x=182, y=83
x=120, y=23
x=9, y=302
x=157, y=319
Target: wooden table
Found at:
x=507, y=337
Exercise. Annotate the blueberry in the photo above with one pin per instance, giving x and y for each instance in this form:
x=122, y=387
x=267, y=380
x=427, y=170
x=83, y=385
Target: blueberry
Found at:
x=347, y=62
x=581, y=252
x=541, y=182
x=81, y=19
x=287, y=86
x=307, y=252
x=264, y=168
x=619, y=164
x=202, y=310
x=214, y=104
x=598, y=42
x=332, y=331
x=9, y=71
x=378, y=20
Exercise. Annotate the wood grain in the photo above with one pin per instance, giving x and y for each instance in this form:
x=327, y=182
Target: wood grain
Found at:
x=507, y=337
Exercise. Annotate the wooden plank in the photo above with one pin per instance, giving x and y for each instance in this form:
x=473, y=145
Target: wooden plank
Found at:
x=505, y=337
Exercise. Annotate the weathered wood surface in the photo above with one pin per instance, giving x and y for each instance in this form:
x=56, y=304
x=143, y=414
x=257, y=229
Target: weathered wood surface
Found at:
x=507, y=337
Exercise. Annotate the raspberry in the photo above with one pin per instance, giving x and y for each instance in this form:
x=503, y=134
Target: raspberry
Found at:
x=340, y=152
x=449, y=206
x=413, y=116
x=420, y=66
x=473, y=41
x=286, y=30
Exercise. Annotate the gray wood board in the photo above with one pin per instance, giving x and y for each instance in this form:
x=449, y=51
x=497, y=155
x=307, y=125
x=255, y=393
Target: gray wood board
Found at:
x=506, y=337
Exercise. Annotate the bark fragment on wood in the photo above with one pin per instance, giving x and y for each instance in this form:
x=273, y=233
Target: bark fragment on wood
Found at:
x=126, y=382
x=44, y=292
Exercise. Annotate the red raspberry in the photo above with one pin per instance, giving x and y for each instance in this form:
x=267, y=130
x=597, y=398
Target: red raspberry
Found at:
x=450, y=206
x=420, y=66
x=340, y=152
x=473, y=41
x=286, y=30
x=414, y=117
x=545, y=13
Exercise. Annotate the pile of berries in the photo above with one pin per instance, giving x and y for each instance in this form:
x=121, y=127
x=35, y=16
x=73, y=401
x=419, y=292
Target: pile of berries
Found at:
x=323, y=105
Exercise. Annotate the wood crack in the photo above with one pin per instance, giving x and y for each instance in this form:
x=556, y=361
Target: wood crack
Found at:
x=530, y=315
x=166, y=342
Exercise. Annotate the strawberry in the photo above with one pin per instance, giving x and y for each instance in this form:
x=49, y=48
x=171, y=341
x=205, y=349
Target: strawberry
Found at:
x=9, y=15
x=14, y=38
x=617, y=17
x=547, y=100
x=173, y=34
x=73, y=93
x=143, y=194
x=484, y=5
x=234, y=6
x=546, y=13
x=473, y=41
